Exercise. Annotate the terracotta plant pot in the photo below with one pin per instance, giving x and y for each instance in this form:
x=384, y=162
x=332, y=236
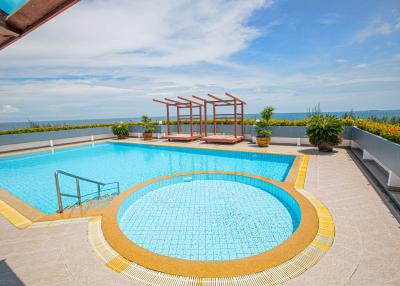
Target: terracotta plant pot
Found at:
x=263, y=141
x=147, y=136
x=325, y=147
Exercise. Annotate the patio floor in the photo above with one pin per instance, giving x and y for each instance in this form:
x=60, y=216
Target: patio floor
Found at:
x=366, y=250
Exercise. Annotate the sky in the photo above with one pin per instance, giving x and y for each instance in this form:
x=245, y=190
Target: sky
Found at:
x=109, y=59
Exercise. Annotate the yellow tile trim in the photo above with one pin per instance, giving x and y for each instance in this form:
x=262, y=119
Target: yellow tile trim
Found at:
x=301, y=176
x=13, y=216
x=320, y=245
x=118, y=264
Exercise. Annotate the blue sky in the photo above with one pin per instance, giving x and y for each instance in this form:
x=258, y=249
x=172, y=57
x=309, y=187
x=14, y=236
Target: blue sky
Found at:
x=289, y=54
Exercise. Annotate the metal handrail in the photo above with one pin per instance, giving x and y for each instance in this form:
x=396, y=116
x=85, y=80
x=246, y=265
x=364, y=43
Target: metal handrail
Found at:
x=78, y=188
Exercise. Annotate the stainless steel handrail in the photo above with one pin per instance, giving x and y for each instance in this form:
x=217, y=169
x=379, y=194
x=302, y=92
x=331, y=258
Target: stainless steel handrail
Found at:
x=78, y=188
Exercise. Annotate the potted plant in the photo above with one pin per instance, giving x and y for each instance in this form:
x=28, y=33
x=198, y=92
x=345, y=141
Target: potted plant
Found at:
x=120, y=130
x=147, y=129
x=323, y=131
x=261, y=127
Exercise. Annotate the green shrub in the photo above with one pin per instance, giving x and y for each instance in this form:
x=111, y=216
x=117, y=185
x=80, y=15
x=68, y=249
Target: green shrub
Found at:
x=324, y=129
x=262, y=125
x=146, y=123
x=120, y=130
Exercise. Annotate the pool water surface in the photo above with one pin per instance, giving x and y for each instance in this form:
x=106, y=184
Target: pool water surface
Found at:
x=211, y=217
x=30, y=177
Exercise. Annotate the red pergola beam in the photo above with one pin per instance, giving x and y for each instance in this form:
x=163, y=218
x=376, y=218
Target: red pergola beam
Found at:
x=234, y=97
x=175, y=101
x=217, y=98
x=188, y=100
x=163, y=102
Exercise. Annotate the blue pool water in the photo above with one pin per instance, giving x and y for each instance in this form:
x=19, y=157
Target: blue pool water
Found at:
x=30, y=177
x=10, y=6
x=209, y=217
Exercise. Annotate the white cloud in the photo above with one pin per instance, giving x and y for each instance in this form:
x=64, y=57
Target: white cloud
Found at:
x=139, y=33
x=377, y=28
x=328, y=19
x=341, y=61
x=362, y=66
x=9, y=109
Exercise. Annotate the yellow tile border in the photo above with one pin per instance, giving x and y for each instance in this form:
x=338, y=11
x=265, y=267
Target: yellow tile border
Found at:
x=13, y=216
x=301, y=175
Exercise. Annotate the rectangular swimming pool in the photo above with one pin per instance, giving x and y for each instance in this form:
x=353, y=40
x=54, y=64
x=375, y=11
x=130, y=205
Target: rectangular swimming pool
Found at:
x=30, y=177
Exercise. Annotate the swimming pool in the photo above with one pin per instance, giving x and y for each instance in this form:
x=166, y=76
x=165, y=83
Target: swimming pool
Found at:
x=209, y=217
x=30, y=177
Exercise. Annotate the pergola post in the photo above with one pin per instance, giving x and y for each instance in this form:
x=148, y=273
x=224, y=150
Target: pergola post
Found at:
x=242, y=111
x=235, y=116
x=168, y=128
x=191, y=119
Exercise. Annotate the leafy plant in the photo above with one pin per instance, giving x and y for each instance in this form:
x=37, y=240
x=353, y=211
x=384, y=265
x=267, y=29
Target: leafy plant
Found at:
x=146, y=123
x=324, y=129
x=261, y=125
x=120, y=130
x=266, y=113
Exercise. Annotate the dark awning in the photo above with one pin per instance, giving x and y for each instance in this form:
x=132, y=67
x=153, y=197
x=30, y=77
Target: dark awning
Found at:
x=28, y=17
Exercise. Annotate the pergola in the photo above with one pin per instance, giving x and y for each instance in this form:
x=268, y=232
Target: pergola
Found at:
x=182, y=104
x=238, y=111
x=28, y=17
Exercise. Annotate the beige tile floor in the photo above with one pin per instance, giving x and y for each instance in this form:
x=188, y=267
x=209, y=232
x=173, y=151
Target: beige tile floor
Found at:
x=366, y=250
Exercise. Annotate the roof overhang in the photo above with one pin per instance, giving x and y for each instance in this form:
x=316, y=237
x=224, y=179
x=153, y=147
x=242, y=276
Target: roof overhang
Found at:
x=28, y=17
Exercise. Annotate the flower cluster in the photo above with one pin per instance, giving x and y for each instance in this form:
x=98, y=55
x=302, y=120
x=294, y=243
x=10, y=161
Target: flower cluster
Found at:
x=383, y=129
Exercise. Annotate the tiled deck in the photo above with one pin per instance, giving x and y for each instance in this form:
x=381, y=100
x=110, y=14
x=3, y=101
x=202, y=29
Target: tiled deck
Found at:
x=366, y=250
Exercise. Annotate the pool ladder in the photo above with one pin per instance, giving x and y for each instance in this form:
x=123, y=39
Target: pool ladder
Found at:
x=78, y=188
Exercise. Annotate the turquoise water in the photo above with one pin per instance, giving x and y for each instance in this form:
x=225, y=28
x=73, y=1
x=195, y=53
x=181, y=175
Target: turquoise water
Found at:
x=10, y=6
x=209, y=217
x=30, y=177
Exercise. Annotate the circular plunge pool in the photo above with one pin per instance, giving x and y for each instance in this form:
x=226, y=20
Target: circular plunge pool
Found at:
x=209, y=217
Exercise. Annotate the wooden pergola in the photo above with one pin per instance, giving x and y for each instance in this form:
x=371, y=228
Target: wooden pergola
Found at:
x=238, y=112
x=28, y=17
x=182, y=104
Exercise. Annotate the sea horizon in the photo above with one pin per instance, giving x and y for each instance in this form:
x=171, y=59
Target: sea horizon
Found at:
x=278, y=116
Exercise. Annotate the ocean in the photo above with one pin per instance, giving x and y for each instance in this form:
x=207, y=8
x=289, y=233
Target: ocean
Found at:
x=280, y=116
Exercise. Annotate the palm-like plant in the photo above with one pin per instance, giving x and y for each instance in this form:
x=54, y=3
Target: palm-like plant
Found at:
x=146, y=123
x=323, y=131
x=261, y=125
